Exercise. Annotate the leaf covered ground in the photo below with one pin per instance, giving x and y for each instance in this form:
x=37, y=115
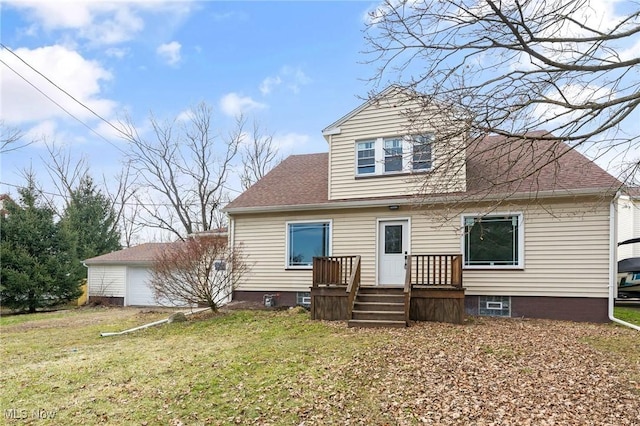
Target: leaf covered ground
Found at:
x=267, y=367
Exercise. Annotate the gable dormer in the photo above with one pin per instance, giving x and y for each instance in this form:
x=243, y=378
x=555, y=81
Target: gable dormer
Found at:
x=393, y=146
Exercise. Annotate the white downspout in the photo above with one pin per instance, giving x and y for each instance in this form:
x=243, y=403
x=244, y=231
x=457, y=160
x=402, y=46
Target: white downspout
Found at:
x=613, y=263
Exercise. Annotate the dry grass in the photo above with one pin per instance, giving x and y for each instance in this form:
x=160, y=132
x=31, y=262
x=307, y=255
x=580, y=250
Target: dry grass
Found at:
x=260, y=367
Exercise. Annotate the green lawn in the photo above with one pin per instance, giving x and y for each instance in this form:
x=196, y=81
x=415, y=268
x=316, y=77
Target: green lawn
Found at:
x=269, y=367
x=630, y=315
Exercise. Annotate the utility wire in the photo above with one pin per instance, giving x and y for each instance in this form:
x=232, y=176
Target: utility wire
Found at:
x=59, y=88
x=61, y=107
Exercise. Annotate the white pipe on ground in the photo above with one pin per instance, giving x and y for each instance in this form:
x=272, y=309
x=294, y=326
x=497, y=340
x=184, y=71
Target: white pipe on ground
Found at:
x=151, y=324
x=613, y=264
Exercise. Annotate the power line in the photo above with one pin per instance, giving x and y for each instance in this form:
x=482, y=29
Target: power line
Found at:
x=61, y=107
x=54, y=194
x=59, y=88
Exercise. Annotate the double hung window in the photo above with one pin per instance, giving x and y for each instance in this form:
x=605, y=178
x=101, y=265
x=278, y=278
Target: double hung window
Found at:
x=394, y=155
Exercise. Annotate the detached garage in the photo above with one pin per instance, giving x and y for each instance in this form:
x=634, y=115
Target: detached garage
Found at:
x=122, y=277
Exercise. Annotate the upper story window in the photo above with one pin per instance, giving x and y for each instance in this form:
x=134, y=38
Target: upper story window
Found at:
x=394, y=155
x=366, y=160
x=493, y=241
x=422, y=152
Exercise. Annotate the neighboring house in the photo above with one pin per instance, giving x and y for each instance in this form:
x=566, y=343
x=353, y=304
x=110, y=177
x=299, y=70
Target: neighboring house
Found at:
x=529, y=244
x=629, y=222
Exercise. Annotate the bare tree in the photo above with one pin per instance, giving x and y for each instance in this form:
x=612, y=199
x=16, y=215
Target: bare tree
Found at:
x=569, y=67
x=182, y=170
x=259, y=156
x=122, y=196
x=202, y=269
x=11, y=138
x=65, y=172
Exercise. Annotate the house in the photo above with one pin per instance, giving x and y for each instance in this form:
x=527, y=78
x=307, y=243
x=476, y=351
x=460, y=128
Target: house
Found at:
x=507, y=227
x=123, y=277
x=629, y=222
x=628, y=279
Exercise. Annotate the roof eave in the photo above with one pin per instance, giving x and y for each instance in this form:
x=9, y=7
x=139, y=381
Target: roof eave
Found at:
x=438, y=199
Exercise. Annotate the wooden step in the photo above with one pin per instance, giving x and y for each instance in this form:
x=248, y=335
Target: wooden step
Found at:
x=376, y=323
x=378, y=306
x=380, y=298
x=381, y=290
x=378, y=315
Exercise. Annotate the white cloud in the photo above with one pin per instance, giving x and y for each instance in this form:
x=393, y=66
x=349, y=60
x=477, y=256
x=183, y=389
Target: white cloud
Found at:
x=170, y=52
x=44, y=130
x=233, y=104
x=99, y=22
x=290, y=77
x=78, y=76
x=269, y=83
x=290, y=140
x=116, y=52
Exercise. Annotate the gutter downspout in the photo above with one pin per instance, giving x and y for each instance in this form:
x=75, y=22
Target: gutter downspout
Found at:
x=151, y=324
x=613, y=263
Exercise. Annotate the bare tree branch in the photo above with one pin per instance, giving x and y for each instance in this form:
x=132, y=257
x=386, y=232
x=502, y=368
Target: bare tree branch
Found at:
x=259, y=156
x=11, y=138
x=515, y=68
x=182, y=171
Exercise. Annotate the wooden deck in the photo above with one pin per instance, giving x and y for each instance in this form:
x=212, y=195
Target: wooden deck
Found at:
x=433, y=291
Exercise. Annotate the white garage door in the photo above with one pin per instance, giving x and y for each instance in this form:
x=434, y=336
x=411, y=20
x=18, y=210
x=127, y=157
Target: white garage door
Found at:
x=138, y=291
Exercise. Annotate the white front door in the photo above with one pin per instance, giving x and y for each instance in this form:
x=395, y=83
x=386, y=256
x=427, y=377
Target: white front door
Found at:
x=393, y=245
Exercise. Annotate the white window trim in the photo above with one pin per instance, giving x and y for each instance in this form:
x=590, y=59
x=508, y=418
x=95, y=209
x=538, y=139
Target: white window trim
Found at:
x=286, y=250
x=407, y=156
x=521, y=241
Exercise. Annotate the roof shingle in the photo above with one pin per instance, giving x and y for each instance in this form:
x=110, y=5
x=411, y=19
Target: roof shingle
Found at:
x=494, y=165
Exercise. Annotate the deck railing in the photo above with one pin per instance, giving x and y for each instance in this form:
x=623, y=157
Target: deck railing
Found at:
x=407, y=289
x=352, y=286
x=434, y=270
x=333, y=270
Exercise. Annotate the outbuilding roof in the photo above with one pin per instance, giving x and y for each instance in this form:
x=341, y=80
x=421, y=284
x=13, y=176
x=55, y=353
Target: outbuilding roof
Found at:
x=141, y=254
x=495, y=165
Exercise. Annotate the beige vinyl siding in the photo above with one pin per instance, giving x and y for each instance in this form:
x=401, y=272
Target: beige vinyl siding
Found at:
x=566, y=253
x=107, y=280
x=386, y=119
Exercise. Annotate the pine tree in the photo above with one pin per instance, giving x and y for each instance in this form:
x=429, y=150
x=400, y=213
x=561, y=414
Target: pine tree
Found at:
x=90, y=217
x=39, y=262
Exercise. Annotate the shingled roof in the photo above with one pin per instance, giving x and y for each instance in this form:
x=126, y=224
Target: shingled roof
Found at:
x=494, y=165
x=142, y=254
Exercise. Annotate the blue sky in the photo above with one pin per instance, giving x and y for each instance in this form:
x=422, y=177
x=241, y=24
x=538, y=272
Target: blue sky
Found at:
x=295, y=67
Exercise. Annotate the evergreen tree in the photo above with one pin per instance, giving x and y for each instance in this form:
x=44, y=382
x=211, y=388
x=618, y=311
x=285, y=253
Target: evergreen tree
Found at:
x=39, y=263
x=90, y=217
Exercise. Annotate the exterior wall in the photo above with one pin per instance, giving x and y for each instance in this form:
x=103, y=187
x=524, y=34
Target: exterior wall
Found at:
x=566, y=251
x=107, y=280
x=628, y=226
x=587, y=309
x=387, y=119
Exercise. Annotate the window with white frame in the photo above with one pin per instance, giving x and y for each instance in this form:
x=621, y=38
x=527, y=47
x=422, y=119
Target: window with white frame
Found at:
x=366, y=161
x=422, y=152
x=493, y=241
x=306, y=240
x=394, y=155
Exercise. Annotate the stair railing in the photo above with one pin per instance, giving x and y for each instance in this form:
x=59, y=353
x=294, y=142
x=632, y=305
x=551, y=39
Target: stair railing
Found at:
x=352, y=286
x=407, y=288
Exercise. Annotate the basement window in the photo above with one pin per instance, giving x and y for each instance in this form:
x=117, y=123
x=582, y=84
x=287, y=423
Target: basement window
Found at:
x=494, y=306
